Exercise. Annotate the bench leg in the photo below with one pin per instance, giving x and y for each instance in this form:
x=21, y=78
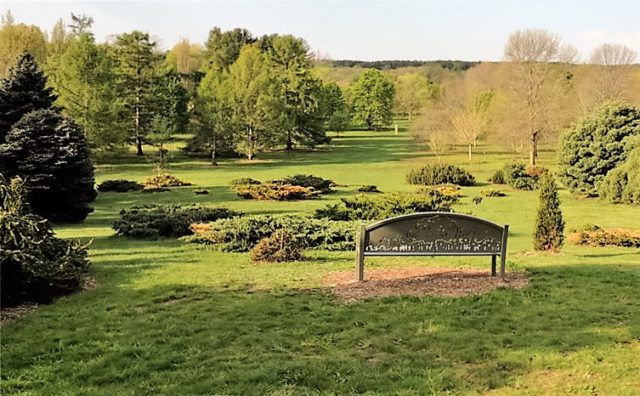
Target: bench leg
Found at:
x=493, y=266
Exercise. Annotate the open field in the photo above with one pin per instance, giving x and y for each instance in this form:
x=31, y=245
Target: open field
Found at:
x=171, y=318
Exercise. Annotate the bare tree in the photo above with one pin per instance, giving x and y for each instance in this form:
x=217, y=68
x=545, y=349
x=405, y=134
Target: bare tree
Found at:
x=532, y=53
x=614, y=63
x=433, y=129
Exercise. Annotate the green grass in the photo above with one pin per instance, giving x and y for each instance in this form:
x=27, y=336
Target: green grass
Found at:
x=170, y=318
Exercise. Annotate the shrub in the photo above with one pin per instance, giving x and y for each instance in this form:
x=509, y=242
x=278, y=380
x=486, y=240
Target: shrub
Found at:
x=549, y=228
x=275, y=192
x=596, y=236
x=163, y=181
x=449, y=190
x=315, y=182
x=281, y=246
x=369, y=189
x=119, y=186
x=243, y=233
x=536, y=171
x=476, y=200
x=497, y=177
x=35, y=265
x=243, y=181
x=622, y=184
x=51, y=153
x=363, y=207
x=516, y=175
x=492, y=193
x=596, y=144
x=155, y=221
x=440, y=174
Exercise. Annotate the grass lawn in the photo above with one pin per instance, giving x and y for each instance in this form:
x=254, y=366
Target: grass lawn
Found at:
x=169, y=318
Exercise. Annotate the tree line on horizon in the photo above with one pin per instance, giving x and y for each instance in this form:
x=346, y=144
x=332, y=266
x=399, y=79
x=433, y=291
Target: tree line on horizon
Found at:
x=238, y=94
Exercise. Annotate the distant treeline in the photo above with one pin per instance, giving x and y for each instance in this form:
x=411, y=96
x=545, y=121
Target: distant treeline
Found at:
x=394, y=64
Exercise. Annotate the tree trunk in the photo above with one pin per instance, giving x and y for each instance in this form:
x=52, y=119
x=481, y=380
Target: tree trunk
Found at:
x=533, y=149
x=251, y=144
x=470, y=152
x=289, y=141
x=137, y=128
x=214, y=159
x=139, y=146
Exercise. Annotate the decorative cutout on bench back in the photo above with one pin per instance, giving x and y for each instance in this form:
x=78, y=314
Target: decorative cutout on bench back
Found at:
x=433, y=234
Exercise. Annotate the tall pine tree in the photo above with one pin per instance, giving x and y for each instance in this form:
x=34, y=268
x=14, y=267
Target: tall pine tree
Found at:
x=23, y=90
x=549, y=228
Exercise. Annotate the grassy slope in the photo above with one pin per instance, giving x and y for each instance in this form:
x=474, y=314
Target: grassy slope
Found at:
x=169, y=318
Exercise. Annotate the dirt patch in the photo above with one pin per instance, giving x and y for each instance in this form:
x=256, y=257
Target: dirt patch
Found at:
x=447, y=282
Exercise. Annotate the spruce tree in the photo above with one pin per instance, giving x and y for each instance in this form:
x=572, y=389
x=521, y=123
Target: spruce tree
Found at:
x=24, y=89
x=51, y=153
x=549, y=228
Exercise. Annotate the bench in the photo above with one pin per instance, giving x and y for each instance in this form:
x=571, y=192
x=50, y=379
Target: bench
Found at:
x=432, y=234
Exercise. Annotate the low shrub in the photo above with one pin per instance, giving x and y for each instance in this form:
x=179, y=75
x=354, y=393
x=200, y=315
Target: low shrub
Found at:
x=275, y=192
x=243, y=181
x=449, y=190
x=35, y=265
x=477, y=200
x=440, y=174
x=309, y=181
x=369, y=189
x=163, y=181
x=492, y=193
x=119, y=185
x=596, y=236
x=497, y=177
x=536, y=171
x=516, y=175
x=240, y=234
x=201, y=192
x=154, y=221
x=281, y=246
x=363, y=207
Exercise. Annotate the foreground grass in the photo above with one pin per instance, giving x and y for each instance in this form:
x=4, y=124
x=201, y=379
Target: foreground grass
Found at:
x=169, y=318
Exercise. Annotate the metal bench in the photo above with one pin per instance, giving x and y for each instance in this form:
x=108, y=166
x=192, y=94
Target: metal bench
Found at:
x=432, y=234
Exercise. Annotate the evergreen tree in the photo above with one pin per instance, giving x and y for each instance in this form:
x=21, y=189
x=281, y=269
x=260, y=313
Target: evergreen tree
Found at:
x=23, y=90
x=334, y=108
x=136, y=70
x=301, y=92
x=372, y=99
x=51, y=153
x=222, y=49
x=171, y=100
x=549, y=228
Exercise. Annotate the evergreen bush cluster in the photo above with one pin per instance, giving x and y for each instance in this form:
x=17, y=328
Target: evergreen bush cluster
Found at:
x=163, y=180
x=622, y=184
x=281, y=246
x=154, y=221
x=518, y=175
x=35, y=265
x=549, y=226
x=433, y=174
x=287, y=189
x=119, y=185
x=241, y=234
x=366, y=207
x=47, y=150
x=596, y=144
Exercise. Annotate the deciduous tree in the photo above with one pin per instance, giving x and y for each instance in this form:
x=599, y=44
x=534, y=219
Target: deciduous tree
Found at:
x=372, y=99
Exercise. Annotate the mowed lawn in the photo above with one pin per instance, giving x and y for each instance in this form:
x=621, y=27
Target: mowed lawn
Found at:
x=171, y=318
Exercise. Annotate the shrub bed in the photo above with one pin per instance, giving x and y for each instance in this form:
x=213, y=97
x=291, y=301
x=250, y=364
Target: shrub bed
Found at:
x=241, y=234
x=119, y=185
x=154, y=221
x=596, y=236
x=365, y=207
x=163, y=181
x=35, y=265
x=281, y=246
x=275, y=192
x=440, y=174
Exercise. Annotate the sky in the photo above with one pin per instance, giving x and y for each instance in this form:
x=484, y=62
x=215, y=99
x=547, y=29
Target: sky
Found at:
x=362, y=30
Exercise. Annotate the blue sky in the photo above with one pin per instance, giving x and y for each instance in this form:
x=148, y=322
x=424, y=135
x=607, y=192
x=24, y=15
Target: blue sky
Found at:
x=367, y=30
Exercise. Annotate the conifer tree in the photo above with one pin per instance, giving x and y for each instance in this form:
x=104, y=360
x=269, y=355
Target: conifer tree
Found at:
x=51, y=153
x=549, y=228
x=24, y=89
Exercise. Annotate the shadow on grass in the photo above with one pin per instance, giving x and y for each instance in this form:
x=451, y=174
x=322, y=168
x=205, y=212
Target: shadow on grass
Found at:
x=188, y=339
